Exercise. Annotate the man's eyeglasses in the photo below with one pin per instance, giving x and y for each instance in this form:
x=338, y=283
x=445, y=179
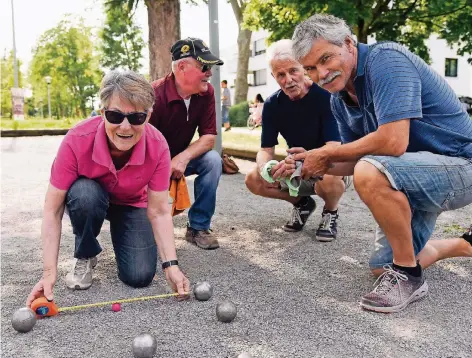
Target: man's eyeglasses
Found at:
x=117, y=117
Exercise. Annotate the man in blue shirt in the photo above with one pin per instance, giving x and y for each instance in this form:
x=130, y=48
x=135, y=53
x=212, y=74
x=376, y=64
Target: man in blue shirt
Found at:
x=300, y=111
x=408, y=142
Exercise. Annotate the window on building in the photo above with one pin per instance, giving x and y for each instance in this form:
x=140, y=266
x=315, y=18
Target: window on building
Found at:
x=260, y=77
x=451, y=67
x=250, y=79
x=259, y=47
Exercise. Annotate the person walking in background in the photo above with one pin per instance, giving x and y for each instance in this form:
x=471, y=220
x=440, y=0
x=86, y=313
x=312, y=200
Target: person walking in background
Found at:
x=225, y=104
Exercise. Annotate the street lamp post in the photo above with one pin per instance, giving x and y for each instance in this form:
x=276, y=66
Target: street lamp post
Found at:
x=41, y=107
x=215, y=79
x=48, y=81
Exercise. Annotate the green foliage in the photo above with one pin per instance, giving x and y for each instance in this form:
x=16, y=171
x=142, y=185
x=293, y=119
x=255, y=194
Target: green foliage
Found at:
x=122, y=41
x=7, y=82
x=66, y=54
x=238, y=114
x=409, y=22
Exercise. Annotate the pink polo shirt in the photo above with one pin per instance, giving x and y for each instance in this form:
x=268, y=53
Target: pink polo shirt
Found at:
x=84, y=152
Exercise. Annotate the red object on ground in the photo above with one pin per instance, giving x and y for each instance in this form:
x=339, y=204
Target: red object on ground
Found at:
x=116, y=307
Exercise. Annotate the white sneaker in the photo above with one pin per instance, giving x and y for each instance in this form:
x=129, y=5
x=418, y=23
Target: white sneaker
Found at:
x=80, y=277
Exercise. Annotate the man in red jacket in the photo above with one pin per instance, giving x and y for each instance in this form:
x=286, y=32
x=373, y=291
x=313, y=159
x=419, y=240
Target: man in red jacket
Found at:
x=185, y=102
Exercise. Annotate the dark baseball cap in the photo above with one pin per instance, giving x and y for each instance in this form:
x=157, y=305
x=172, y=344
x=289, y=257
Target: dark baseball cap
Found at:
x=195, y=48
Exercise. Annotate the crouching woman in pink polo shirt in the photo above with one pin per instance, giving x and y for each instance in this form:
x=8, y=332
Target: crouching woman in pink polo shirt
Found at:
x=116, y=167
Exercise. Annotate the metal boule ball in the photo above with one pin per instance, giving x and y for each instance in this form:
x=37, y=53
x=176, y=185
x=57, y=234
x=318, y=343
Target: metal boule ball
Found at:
x=226, y=311
x=245, y=355
x=23, y=320
x=144, y=346
x=202, y=291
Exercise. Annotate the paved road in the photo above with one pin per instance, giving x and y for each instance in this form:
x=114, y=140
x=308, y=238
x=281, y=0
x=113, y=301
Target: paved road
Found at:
x=296, y=297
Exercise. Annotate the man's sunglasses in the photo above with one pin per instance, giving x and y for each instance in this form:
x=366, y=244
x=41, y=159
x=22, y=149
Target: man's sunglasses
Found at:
x=117, y=117
x=206, y=68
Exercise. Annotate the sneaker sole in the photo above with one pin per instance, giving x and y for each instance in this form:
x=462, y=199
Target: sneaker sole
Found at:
x=287, y=229
x=325, y=238
x=417, y=295
x=79, y=287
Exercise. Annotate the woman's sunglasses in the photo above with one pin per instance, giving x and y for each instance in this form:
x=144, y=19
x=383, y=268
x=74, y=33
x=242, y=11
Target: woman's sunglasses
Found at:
x=117, y=117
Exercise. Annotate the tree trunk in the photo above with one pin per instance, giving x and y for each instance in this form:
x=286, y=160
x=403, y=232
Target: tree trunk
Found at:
x=164, y=30
x=244, y=40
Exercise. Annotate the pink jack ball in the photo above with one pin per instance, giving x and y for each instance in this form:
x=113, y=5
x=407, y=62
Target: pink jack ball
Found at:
x=116, y=307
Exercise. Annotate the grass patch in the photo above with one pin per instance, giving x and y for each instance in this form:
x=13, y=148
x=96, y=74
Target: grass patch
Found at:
x=36, y=123
x=251, y=142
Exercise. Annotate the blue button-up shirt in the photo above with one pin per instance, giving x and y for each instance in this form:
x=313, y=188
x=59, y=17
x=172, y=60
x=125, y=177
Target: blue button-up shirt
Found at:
x=392, y=84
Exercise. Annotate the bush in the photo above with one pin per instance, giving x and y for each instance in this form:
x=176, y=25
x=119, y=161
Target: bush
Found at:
x=238, y=114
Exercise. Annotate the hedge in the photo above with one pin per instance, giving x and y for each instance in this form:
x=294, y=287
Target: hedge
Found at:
x=238, y=114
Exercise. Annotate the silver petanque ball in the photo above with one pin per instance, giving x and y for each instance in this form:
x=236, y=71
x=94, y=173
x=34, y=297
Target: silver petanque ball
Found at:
x=144, y=346
x=23, y=320
x=226, y=311
x=202, y=291
x=245, y=355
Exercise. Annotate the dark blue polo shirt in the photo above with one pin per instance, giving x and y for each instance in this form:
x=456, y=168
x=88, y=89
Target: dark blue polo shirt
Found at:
x=306, y=123
x=392, y=84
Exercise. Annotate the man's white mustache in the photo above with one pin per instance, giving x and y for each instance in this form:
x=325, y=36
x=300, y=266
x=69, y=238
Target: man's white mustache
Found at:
x=329, y=79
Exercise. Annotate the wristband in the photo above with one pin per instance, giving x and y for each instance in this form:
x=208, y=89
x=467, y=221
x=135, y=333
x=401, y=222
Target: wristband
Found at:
x=169, y=264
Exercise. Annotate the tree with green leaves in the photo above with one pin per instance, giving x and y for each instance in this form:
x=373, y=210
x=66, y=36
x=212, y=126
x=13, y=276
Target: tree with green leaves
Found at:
x=7, y=82
x=66, y=53
x=409, y=22
x=244, y=52
x=122, y=42
x=164, y=30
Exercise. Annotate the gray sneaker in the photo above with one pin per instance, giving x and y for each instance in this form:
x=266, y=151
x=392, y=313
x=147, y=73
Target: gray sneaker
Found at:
x=347, y=182
x=80, y=277
x=394, y=290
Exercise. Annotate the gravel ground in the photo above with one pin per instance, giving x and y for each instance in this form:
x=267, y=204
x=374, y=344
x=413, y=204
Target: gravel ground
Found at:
x=296, y=297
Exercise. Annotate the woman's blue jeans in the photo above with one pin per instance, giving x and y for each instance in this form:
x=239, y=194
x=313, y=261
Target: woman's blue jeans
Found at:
x=131, y=232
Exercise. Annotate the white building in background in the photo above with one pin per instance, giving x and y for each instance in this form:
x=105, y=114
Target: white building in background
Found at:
x=454, y=68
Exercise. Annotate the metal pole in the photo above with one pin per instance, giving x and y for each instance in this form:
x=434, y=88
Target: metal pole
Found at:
x=15, y=65
x=49, y=101
x=215, y=79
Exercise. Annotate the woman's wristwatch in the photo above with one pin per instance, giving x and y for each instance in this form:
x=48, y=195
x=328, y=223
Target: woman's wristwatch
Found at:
x=169, y=264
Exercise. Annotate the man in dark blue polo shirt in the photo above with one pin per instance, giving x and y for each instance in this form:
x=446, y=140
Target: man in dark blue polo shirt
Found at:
x=300, y=112
x=408, y=141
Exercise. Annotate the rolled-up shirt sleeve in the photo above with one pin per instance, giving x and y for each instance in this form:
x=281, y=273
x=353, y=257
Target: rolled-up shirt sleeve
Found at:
x=160, y=180
x=64, y=170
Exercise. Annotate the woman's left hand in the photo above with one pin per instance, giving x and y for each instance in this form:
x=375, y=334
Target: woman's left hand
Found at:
x=177, y=281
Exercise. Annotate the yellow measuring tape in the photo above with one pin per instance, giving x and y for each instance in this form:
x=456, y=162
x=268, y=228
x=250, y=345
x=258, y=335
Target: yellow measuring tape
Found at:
x=125, y=300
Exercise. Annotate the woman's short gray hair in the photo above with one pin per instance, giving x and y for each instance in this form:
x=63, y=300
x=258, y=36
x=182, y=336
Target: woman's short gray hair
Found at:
x=328, y=27
x=280, y=50
x=129, y=86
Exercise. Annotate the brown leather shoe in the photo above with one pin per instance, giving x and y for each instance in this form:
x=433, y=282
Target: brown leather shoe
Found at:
x=204, y=239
